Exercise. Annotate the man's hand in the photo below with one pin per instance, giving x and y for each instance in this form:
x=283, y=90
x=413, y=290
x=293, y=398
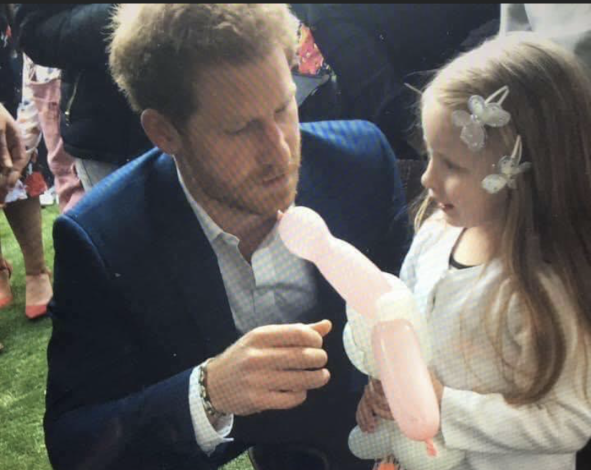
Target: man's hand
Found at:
x=271, y=367
x=373, y=403
x=13, y=157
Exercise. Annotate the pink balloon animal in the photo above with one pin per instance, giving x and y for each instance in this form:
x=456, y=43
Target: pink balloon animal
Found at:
x=379, y=338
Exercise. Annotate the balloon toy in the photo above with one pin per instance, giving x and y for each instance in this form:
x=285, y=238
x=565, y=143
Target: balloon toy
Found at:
x=385, y=339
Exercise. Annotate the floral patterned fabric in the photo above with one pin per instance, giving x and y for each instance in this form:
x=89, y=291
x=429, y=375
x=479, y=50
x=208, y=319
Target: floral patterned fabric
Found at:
x=31, y=183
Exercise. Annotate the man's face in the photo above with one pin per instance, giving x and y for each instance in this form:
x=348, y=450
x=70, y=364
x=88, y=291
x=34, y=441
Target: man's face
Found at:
x=241, y=148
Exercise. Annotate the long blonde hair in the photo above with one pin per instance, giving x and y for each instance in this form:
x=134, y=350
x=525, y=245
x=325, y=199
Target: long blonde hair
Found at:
x=548, y=221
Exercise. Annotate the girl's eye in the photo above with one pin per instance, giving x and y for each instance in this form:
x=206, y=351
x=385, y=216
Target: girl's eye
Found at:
x=451, y=166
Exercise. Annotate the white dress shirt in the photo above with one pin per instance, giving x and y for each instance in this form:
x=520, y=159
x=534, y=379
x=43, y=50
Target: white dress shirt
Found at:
x=275, y=288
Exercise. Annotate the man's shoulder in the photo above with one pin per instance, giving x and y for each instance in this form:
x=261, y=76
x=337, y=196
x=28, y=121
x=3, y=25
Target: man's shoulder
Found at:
x=341, y=132
x=127, y=190
x=345, y=141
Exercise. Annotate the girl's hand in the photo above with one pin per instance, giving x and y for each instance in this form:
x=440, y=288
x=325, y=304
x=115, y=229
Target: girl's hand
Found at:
x=373, y=404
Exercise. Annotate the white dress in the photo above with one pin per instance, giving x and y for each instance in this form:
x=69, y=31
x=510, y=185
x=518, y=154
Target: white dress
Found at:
x=475, y=417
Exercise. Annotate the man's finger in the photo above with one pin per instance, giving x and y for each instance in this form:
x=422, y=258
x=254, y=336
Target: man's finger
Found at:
x=294, y=358
x=323, y=327
x=286, y=336
x=284, y=400
x=296, y=381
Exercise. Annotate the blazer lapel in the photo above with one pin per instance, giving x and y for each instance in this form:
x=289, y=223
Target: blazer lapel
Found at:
x=310, y=194
x=192, y=267
x=192, y=264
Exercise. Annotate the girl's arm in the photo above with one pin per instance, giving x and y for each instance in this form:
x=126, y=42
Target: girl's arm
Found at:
x=559, y=423
x=486, y=423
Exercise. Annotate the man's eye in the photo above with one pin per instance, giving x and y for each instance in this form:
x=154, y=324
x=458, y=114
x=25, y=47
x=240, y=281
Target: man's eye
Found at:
x=237, y=131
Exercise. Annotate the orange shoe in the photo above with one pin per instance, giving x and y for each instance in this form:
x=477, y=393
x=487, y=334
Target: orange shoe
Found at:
x=5, y=266
x=35, y=282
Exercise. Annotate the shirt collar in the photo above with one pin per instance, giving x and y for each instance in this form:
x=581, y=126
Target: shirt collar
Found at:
x=211, y=230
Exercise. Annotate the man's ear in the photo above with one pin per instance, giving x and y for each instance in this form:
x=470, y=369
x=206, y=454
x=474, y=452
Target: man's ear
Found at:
x=161, y=131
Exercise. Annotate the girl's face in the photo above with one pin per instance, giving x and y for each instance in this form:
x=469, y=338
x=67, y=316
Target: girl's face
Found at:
x=454, y=174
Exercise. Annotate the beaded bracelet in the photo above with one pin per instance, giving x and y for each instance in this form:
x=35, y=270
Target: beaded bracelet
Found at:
x=207, y=405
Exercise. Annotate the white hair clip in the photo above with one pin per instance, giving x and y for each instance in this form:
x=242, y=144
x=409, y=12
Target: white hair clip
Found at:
x=482, y=113
x=508, y=169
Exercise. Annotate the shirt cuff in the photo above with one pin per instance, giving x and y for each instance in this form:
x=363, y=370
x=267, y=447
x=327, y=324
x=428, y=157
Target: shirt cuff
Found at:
x=208, y=436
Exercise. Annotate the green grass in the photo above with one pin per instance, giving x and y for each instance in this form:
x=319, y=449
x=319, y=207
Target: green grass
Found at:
x=23, y=367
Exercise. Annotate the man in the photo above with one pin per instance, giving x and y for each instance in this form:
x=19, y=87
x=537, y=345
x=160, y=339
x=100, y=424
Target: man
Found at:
x=175, y=259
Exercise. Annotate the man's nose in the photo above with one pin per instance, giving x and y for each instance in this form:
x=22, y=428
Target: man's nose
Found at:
x=275, y=148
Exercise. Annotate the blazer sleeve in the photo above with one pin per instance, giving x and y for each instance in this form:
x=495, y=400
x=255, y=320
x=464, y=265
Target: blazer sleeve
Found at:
x=97, y=416
x=65, y=36
x=397, y=237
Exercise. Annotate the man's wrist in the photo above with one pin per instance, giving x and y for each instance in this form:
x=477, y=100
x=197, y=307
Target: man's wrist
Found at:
x=210, y=410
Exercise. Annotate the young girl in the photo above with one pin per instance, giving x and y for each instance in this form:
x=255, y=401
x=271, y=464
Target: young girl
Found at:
x=501, y=264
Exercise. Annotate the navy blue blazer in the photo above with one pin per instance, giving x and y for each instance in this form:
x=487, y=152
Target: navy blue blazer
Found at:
x=139, y=302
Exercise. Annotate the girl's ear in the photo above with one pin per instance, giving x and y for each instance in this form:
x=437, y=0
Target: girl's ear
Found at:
x=161, y=131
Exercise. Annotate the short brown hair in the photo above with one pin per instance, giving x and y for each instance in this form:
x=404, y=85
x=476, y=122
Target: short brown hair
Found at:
x=157, y=50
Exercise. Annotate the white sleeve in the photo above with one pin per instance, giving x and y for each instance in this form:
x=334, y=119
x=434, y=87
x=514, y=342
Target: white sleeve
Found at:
x=207, y=436
x=487, y=423
x=559, y=423
x=408, y=270
x=408, y=273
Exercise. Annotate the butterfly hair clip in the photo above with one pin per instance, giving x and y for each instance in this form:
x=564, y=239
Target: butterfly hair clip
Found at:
x=508, y=169
x=482, y=113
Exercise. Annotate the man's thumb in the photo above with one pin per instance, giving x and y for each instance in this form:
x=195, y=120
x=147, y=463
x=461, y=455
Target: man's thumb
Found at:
x=323, y=327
